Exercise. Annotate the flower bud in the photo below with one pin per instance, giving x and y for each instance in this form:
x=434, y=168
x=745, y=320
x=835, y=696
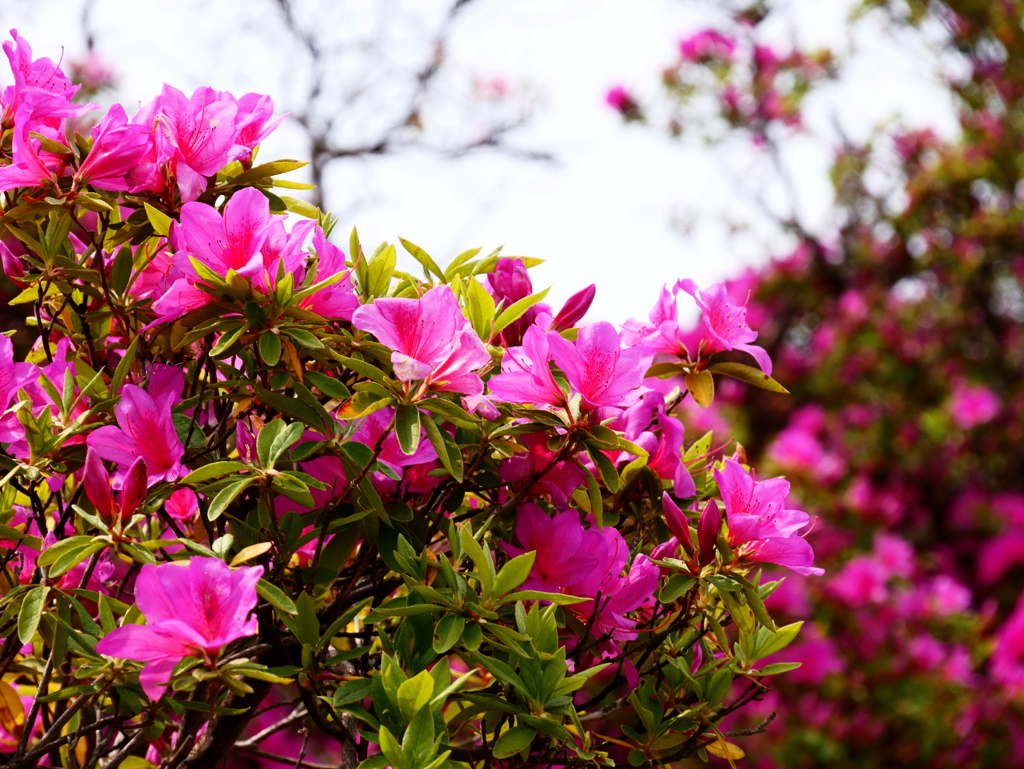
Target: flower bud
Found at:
x=97, y=485
x=677, y=523
x=574, y=308
x=708, y=527
x=133, y=492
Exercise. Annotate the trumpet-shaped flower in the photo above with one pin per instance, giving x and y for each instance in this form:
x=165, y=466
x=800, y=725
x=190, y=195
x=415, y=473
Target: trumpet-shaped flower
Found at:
x=117, y=147
x=595, y=366
x=144, y=430
x=566, y=552
x=725, y=323
x=760, y=525
x=191, y=611
x=430, y=338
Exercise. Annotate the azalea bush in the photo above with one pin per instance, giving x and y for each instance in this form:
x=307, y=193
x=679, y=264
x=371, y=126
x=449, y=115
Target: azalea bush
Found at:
x=900, y=334
x=268, y=502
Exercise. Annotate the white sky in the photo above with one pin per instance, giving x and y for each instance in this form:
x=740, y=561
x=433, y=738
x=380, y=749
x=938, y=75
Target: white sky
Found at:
x=603, y=212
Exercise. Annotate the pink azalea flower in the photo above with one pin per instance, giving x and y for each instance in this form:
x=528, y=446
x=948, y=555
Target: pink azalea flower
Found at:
x=708, y=43
x=526, y=373
x=191, y=611
x=194, y=137
x=596, y=367
x=559, y=482
x=586, y=562
x=247, y=239
x=725, y=324
x=566, y=552
x=661, y=332
x=41, y=75
x=145, y=430
x=664, y=447
x=510, y=281
x=117, y=147
x=32, y=167
x=339, y=299
x=760, y=525
x=973, y=405
x=431, y=339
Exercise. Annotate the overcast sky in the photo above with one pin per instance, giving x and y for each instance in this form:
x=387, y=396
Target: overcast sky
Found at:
x=620, y=206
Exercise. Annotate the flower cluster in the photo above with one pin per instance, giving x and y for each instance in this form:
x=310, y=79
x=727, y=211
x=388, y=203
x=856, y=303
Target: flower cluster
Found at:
x=243, y=469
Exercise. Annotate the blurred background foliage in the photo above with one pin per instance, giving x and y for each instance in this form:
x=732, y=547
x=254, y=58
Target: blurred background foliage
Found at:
x=899, y=333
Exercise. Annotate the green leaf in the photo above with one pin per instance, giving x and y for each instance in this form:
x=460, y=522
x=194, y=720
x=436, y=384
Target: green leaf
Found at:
x=307, y=625
x=415, y=694
x=407, y=426
x=749, y=375
x=228, y=339
x=379, y=272
x=448, y=631
x=352, y=691
x=368, y=370
x=31, y=612
x=303, y=338
x=457, y=262
x=276, y=597
x=270, y=348
x=267, y=170
x=69, y=559
x=54, y=551
x=285, y=439
x=514, y=740
x=677, y=585
x=594, y=494
x=514, y=311
x=775, y=668
x=514, y=573
x=480, y=309
x=329, y=386
x=422, y=257
x=538, y=595
x=227, y=495
x=124, y=365
x=779, y=640
x=449, y=411
x=214, y=470
x=702, y=387
x=447, y=452
x=481, y=558
x=718, y=687
x=161, y=222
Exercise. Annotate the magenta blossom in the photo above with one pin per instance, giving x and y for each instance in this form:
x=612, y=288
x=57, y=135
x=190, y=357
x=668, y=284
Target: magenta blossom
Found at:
x=38, y=75
x=596, y=367
x=725, y=324
x=190, y=611
x=760, y=526
x=566, y=552
x=431, y=340
x=708, y=43
x=144, y=430
x=193, y=138
x=588, y=563
x=117, y=147
x=973, y=405
x=665, y=446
